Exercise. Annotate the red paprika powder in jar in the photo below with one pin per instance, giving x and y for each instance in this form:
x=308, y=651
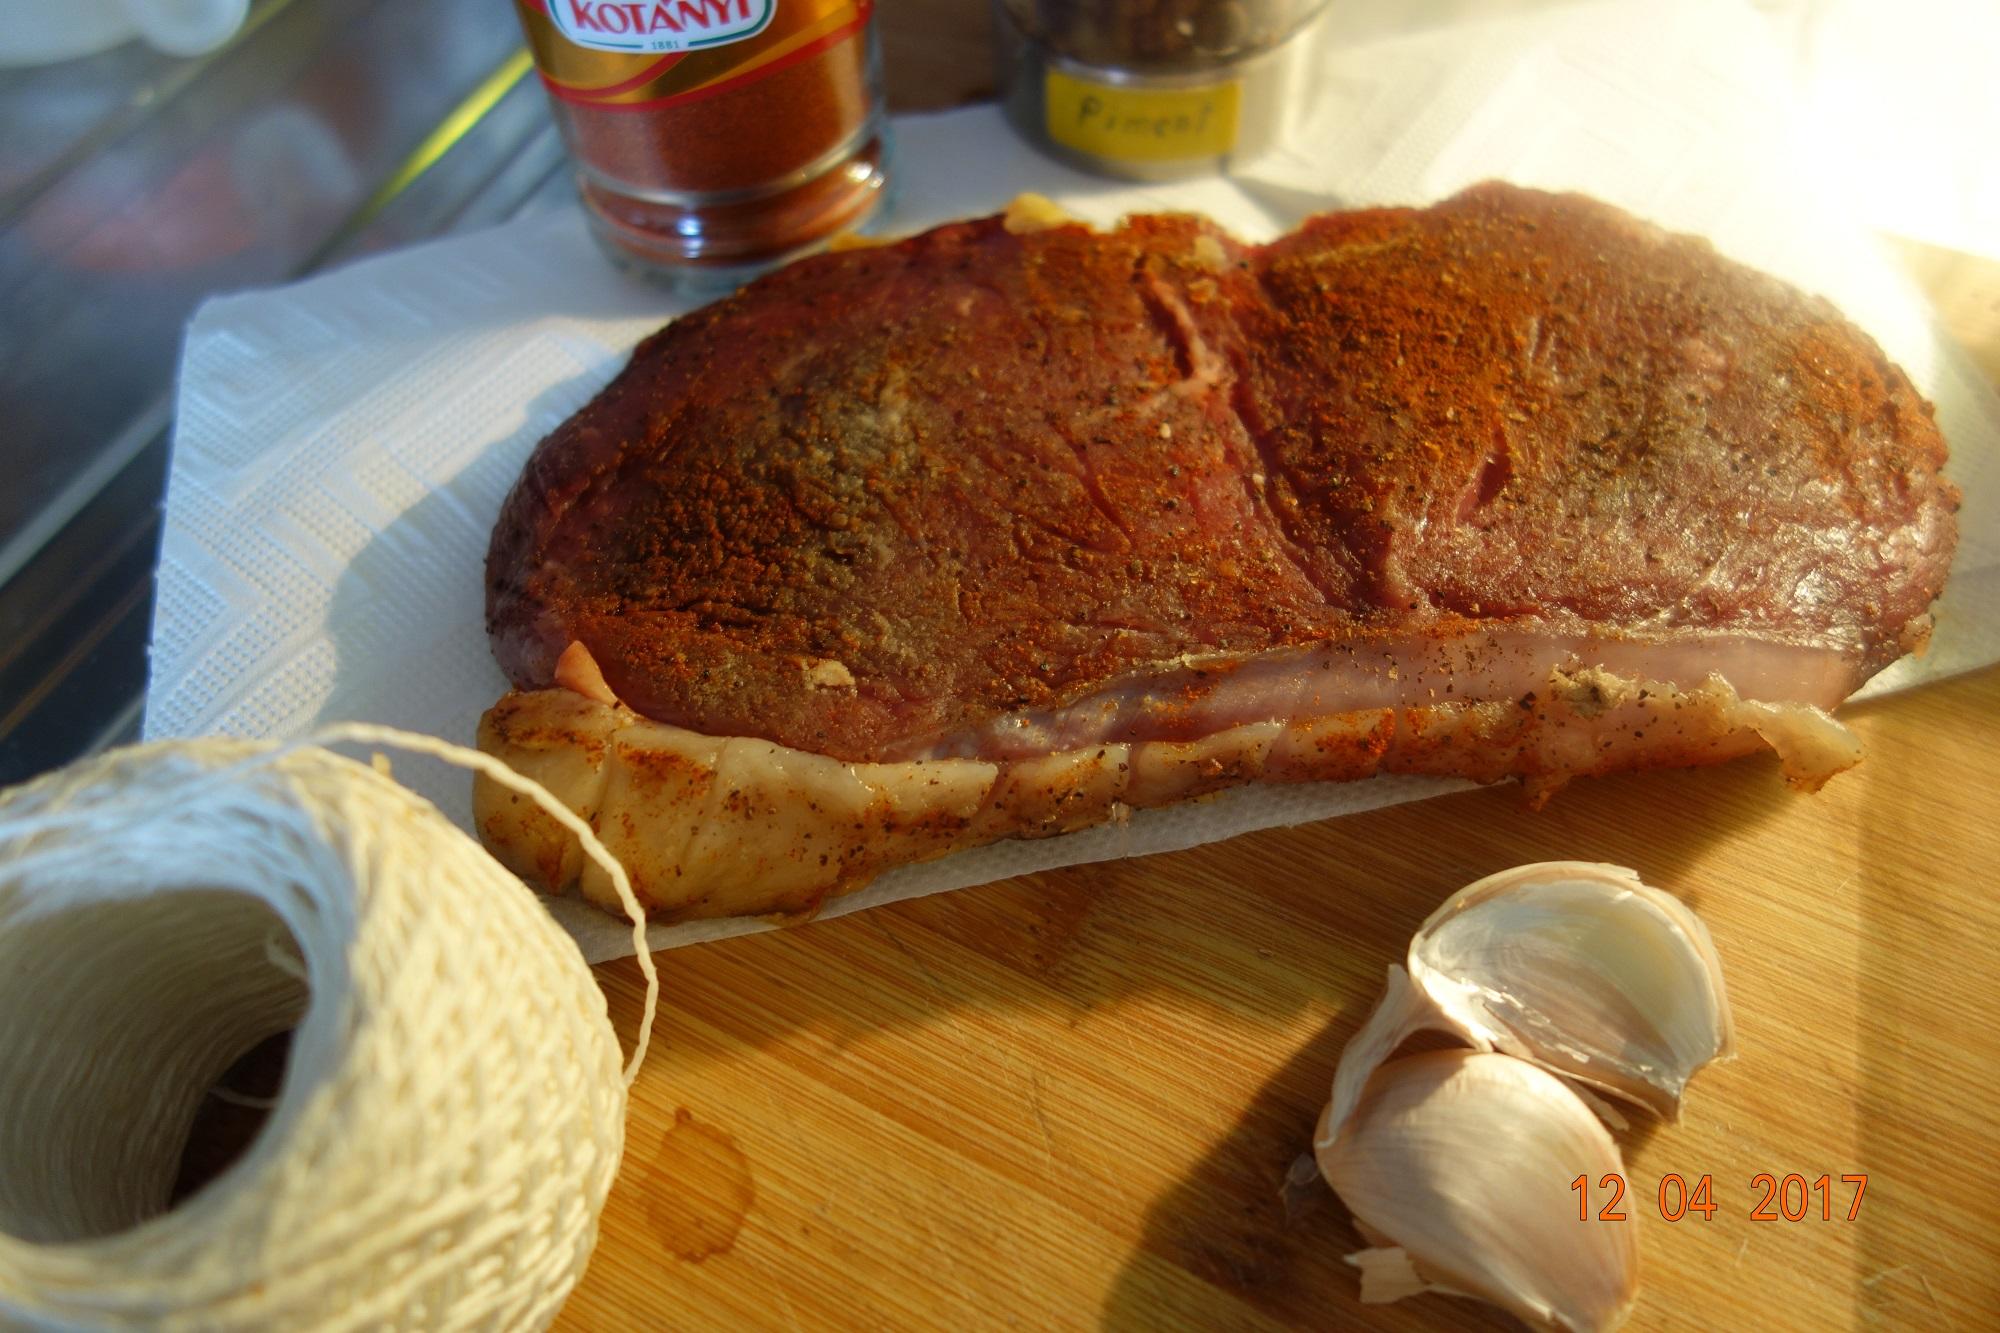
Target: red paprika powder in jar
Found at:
x=715, y=137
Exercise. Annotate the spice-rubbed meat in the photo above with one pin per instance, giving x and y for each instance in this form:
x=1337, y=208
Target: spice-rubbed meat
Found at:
x=1512, y=485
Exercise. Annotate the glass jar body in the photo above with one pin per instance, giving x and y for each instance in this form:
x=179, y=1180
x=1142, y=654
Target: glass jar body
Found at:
x=708, y=163
x=1152, y=89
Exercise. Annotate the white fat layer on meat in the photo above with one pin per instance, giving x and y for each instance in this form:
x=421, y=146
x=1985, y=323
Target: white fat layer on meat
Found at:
x=1200, y=696
x=732, y=826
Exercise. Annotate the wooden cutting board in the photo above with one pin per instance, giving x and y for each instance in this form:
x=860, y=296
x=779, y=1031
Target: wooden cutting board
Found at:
x=1070, y=1100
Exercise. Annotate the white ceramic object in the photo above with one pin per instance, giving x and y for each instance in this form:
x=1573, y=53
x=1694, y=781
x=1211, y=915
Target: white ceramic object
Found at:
x=39, y=32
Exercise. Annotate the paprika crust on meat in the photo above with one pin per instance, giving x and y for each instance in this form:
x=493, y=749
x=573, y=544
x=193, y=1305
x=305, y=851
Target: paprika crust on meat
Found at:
x=999, y=530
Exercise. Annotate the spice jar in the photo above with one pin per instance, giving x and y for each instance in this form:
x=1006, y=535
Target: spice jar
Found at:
x=1151, y=89
x=713, y=138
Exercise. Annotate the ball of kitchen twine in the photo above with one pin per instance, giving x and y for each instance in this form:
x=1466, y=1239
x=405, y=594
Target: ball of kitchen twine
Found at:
x=452, y=1110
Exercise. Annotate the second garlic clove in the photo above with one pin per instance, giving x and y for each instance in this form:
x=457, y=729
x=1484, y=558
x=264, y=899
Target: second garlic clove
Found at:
x=1583, y=969
x=1464, y=1161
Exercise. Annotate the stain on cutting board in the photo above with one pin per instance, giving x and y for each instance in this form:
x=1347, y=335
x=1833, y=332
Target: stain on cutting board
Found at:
x=700, y=1190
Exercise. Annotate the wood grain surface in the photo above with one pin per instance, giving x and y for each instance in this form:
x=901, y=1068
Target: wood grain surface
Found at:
x=1070, y=1100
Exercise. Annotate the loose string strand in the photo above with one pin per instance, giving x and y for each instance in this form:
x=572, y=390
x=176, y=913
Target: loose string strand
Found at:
x=369, y=733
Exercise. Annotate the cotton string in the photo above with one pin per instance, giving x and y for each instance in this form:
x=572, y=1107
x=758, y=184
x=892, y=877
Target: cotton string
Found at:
x=451, y=1115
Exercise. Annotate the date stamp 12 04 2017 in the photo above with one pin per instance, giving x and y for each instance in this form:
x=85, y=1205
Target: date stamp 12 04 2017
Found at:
x=1770, y=1198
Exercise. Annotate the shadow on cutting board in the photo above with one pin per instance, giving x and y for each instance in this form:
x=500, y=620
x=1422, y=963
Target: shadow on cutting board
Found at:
x=1233, y=1225
x=1271, y=924
x=1062, y=1019
x=1231, y=1221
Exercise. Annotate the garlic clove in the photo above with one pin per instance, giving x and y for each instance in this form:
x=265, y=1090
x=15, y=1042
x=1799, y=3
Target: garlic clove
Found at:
x=1583, y=969
x=1463, y=1161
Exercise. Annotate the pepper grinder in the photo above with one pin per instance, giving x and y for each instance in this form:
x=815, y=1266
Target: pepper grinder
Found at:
x=1151, y=89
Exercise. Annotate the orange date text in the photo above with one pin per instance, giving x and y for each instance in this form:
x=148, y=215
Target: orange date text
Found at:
x=1792, y=1197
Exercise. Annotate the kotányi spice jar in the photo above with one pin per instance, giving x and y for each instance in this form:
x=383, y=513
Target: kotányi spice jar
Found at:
x=1152, y=89
x=715, y=137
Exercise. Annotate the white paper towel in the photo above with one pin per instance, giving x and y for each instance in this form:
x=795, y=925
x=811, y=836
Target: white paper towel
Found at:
x=343, y=445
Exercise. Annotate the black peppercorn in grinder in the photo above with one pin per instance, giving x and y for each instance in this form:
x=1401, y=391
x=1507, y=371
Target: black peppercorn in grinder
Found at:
x=1151, y=89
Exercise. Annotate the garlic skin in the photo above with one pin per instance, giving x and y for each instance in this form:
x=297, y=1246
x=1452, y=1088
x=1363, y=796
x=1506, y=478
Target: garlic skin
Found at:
x=1464, y=1160
x=1584, y=970
x=1401, y=1013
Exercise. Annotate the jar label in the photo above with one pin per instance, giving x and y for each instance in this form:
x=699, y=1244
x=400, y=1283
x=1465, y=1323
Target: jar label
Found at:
x=581, y=66
x=652, y=26
x=1141, y=124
